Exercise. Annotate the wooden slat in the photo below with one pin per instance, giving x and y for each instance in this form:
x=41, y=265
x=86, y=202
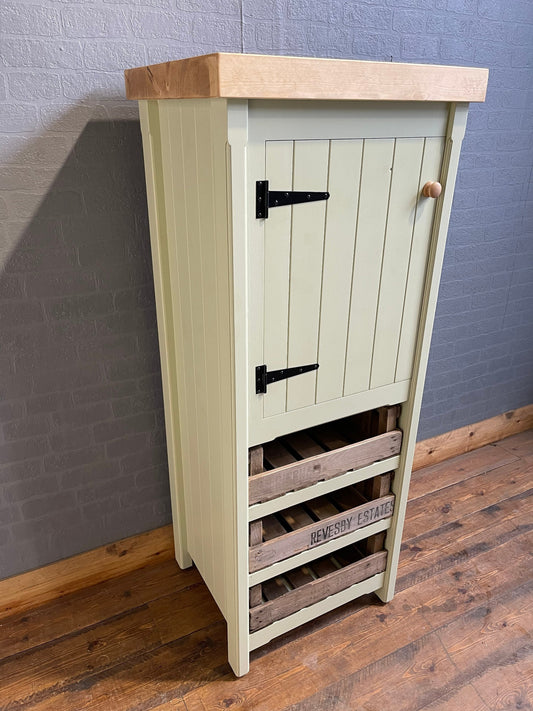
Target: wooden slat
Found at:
x=307, y=248
x=388, y=418
x=375, y=487
x=465, y=439
x=386, y=421
x=412, y=299
x=277, y=258
x=40, y=586
x=316, y=590
x=344, y=174
x=269, y=77
x=298, y=475
x=300, y=576
x=296, y=517
x=255, y=466
x=317, y=533
x=348, y=498
x=371, y=224
x=321, y=507
x=272, y=528
x=380, y=486
x=276, y=454
x=401, y=216
x=303, y=444
x=328, y=436
x=324, y=566
x=375, y=543
x=255, y=595
x=273, y=589
x=255, y=460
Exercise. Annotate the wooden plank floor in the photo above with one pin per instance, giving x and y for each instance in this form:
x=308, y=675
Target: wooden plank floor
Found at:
x=456, y=637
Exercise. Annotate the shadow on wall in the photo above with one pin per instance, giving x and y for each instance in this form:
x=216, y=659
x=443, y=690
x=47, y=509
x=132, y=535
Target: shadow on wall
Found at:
x=83, y=458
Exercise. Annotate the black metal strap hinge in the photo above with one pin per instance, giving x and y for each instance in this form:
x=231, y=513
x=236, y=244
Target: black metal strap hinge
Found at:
x=265, y=198
x=263, y=377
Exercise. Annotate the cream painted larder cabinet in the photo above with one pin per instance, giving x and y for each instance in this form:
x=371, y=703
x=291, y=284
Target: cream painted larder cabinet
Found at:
x=298, y=215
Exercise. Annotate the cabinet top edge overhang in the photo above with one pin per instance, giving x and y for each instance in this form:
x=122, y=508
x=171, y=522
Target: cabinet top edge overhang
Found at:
x=259, y=76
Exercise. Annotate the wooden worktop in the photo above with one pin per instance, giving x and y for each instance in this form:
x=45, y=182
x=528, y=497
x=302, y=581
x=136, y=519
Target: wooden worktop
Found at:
x=255, y=76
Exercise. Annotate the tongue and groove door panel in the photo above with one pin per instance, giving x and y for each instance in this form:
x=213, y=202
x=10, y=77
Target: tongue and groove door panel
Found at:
x=343, y=279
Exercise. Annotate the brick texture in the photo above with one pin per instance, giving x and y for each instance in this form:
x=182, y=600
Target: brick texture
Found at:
x=82, y=454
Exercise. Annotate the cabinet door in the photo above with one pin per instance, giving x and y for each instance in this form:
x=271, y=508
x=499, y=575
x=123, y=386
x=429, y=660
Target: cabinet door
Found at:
x=341, y=280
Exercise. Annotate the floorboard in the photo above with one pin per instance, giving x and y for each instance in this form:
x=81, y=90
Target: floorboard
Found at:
x=456, y=636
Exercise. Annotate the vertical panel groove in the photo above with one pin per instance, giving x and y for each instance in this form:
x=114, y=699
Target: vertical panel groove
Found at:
x=353, y=265
x=382, y=260
x=290, y=277
x=322, y=273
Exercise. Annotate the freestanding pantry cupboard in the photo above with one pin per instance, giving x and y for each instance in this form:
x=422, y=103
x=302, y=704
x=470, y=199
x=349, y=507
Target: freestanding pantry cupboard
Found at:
x=298, y=230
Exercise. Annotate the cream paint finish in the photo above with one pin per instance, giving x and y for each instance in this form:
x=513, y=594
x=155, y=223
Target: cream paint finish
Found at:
x=339, y=282
x=234, y=292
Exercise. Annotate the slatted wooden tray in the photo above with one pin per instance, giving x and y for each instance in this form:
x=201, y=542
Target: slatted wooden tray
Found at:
x=304, y=458
x=304, y=586
x=309, y=525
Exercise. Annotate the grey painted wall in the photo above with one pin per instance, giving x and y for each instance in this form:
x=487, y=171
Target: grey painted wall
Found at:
x=82, y=451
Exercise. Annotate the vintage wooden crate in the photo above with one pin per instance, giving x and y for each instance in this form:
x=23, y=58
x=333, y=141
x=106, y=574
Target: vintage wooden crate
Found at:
x=299, y=460
x=311, y=583
x=315, y=522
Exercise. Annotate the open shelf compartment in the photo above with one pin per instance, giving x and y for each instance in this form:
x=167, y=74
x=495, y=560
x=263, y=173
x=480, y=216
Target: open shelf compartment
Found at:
x=305, y=586
x=302, y=459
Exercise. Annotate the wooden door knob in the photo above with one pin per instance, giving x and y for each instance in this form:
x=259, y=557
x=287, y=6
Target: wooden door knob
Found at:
x=432, y=189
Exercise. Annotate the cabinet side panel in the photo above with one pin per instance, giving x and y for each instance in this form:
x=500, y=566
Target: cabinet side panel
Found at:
x=200, y=262
x=174, y=183
x=150, y=127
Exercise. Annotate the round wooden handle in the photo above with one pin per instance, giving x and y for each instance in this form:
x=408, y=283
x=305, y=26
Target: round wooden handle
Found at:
x=432, y=189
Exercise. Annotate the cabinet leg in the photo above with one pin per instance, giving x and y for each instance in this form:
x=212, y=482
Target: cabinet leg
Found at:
x=183, y=559
x=181, y=553
x=238, y=653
